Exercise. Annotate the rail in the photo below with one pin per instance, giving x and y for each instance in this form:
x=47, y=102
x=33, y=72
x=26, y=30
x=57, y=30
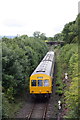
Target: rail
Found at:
x=42, y=112
x=45, y=111
x=28, y=117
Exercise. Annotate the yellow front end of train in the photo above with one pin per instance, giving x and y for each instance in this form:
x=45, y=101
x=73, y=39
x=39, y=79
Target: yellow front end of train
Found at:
x=40, y=84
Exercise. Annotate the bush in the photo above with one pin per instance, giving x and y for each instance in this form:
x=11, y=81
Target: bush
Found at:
x=20, y=57
x=67, y=61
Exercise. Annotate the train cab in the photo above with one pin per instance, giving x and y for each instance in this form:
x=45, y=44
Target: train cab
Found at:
x=40, y=84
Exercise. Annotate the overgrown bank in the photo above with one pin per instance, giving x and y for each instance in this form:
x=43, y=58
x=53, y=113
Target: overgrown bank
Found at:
x=20, y=56
x=67, y=62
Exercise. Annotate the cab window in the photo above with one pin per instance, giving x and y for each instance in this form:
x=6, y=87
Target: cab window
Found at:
x=33, y=83
x=46, y=82
x=39, y=82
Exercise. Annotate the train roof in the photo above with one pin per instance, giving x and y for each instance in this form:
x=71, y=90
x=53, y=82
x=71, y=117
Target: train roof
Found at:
x=45, y=65
x=49, y=56
x=43, y=68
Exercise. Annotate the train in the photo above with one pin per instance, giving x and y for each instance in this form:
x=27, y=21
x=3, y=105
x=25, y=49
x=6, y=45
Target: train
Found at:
x=42, y=77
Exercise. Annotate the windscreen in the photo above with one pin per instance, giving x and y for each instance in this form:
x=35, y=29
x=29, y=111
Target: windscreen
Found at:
x=46, y=82
x=39, y=82
x=33, y=83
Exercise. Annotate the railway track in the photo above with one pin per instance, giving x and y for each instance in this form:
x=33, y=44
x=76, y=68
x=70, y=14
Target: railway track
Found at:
x=38, y=111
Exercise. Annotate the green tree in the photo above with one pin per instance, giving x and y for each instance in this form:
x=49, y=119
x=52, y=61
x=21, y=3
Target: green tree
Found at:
x=36, y=34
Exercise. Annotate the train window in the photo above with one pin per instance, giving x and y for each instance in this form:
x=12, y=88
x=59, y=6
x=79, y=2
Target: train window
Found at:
x=39, y=82
x=46, y=82
x=33, y=83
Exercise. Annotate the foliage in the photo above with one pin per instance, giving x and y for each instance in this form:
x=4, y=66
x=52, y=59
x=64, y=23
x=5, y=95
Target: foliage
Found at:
x=70, y=32
x=58, y=37
x=37, y=34
x=9, y=109
x=70, y=65
x=20, y=56
x=59, y=82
